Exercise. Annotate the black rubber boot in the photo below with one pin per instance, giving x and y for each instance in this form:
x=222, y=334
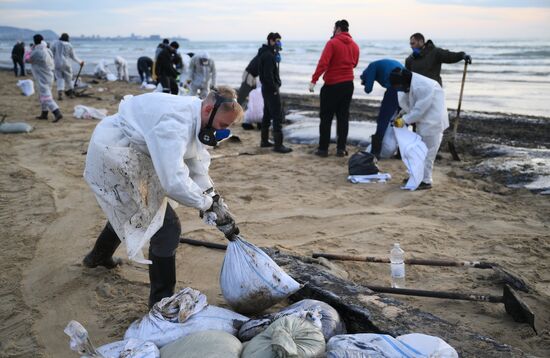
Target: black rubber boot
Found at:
x=162, y=275
x=265, y=143
x=43, y=115
x=104, y=248
x=279, y=146
x=57, y=114
x=70, y=93
x=60, y=95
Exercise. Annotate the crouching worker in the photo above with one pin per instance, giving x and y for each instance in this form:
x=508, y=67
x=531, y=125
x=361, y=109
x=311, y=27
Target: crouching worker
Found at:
x=151, y=150
x=422, y=101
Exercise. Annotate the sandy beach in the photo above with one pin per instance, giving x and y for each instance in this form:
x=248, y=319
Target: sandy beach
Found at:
x=298, y=203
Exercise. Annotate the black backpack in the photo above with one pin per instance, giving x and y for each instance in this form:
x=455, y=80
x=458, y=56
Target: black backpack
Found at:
x=362, y=163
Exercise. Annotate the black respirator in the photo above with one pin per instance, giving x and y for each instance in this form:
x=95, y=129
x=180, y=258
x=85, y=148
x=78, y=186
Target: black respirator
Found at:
x=207, y=135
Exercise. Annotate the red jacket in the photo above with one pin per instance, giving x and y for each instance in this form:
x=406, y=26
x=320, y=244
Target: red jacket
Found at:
x=339, y=58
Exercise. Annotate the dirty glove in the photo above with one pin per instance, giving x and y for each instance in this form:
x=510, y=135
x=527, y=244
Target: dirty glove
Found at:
x=212, y=87
x=468, y=59
x=399, y=122
x=311, y=87
x=219, y=215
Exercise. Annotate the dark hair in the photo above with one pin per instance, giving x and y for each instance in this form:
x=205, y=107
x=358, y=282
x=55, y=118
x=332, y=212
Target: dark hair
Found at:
x=418, y=37
x=37, y=39
x=64, y=37
x=175, y=44
x=273, y=36
x=400, y=76
x=343, y=25
x=166, y=41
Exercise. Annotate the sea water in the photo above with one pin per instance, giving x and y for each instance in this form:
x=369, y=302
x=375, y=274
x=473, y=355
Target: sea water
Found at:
x=505, y=76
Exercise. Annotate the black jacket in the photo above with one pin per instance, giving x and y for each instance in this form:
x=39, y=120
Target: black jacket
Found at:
x=428, y=62
x=164, y=65
x=18, y=52
x=254, y=66
x=268, y=69
x=144, y=63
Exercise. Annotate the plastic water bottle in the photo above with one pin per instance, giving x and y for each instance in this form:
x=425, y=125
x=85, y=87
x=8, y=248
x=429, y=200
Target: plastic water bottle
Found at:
x=397, y=259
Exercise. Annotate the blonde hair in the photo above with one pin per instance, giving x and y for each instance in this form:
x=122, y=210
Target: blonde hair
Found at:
x=234, y=107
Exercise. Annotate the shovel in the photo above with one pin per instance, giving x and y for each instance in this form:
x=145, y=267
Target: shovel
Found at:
x=452, y=141
x=514, y=305
x=515, y=281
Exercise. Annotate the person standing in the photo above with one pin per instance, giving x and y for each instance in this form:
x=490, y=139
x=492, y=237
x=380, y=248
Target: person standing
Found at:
x=63, y=52
x=423, y=103
x=151, y=150
x=165, y=71
x=17, y=56
x=340, y=56
x=144, y=67
x=202, y=75
x=426, y=58
x=268, y=69
x=122, y=69
x=379, y=71
x=41, y=59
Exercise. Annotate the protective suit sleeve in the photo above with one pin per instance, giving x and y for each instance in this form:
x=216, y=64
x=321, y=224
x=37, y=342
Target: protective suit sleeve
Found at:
x=213, y=69
x=322, y=65
x=198, y=169
x=423, y=96
x=192, y=69
x=72, y=55
x=368, y=78
x=166, y=143
x=446, y=56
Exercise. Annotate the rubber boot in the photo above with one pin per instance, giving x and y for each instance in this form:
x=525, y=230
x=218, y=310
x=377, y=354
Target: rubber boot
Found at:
x=70, y=93
x=265, y=143
x=57, y=114
x=43, y=115
x=162, y=275
x=60, y=95
x=279, y=146
x=104, y=248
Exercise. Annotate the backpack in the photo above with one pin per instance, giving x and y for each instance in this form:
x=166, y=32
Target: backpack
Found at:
x=362, y=163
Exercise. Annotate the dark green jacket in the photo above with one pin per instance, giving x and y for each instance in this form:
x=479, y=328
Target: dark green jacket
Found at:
x=428, y=63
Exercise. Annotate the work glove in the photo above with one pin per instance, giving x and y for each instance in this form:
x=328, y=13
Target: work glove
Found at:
x=468, y=59
x=218, y=214
x=81, y=63
x=311, y=87
x=212, y=87
x=399, y=122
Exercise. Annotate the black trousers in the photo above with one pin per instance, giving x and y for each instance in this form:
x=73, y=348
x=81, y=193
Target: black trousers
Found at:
x=335, y=100
x=165, y=241
x=273, y=112
x=21, y=64
x=169, y=84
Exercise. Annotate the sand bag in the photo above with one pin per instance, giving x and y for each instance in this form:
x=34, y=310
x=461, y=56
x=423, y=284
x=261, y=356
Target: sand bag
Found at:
x=207, y=344
x=288, y=337
x=331, y=323
x=371, y=345
x=132, y=348
x=251, y=281
x=184, y=313
x=85, y=112
x=18, y=127
x=26, y=86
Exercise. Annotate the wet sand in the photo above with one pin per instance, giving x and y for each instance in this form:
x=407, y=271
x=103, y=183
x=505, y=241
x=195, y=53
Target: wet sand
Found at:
x=298, y=202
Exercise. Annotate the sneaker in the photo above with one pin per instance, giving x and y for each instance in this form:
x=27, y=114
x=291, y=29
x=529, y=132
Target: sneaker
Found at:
x=424, y=186
x=341, y=152
x=321, y=153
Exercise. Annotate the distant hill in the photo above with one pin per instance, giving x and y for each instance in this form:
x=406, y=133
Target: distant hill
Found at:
x=8, y=33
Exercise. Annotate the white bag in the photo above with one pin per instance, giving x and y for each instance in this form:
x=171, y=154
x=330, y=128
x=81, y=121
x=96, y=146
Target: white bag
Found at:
x=84, y=112
x=180, y=315
x=207, y=344
x=18, y=127
x=132, y=348
x=372, y=345
x=255, y=107
x=251, y=281
x=110, y=77
x=26, y=86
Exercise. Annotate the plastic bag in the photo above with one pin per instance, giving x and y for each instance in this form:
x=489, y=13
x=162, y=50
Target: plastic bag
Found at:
x=371, y=345
x=330, y=322
x=288, y=337
x=180, y=315
x=251, y=281
x=110, y=77
x=255, y=108
x=207, y=344
x=18, y=127
x=84, y=112
x=26, y=86
x=132, y=348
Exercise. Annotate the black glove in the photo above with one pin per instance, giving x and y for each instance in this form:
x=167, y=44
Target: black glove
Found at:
x=468, y=59
x=224, y=221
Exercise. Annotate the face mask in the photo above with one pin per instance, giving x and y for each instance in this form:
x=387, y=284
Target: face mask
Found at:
x=204, y=61
x=209, y=135
x=415, y=52
x=222, y=134
x=278, y=46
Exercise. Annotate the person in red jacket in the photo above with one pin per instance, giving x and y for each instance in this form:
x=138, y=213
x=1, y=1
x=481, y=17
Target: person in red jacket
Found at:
x=340, y=56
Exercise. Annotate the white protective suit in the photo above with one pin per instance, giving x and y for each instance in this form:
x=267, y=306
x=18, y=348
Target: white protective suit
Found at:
x=201, y=75
x=122, y=69
x=62, y=53
x=142, y=155
x=424, y=105
x=41, y=59
x=255, y=107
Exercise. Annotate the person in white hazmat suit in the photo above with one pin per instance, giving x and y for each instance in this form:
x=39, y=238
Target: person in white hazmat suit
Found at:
x=41, y=59
x=151, y=150
x=63, y=52
x=422, y=101
x=202, y=75
x=122, y=69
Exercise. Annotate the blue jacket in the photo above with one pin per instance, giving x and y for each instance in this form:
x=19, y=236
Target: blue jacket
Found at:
x=379, y=71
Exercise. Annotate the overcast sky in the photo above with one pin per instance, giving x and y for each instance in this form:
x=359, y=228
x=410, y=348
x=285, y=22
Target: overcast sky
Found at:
x=294, y=19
